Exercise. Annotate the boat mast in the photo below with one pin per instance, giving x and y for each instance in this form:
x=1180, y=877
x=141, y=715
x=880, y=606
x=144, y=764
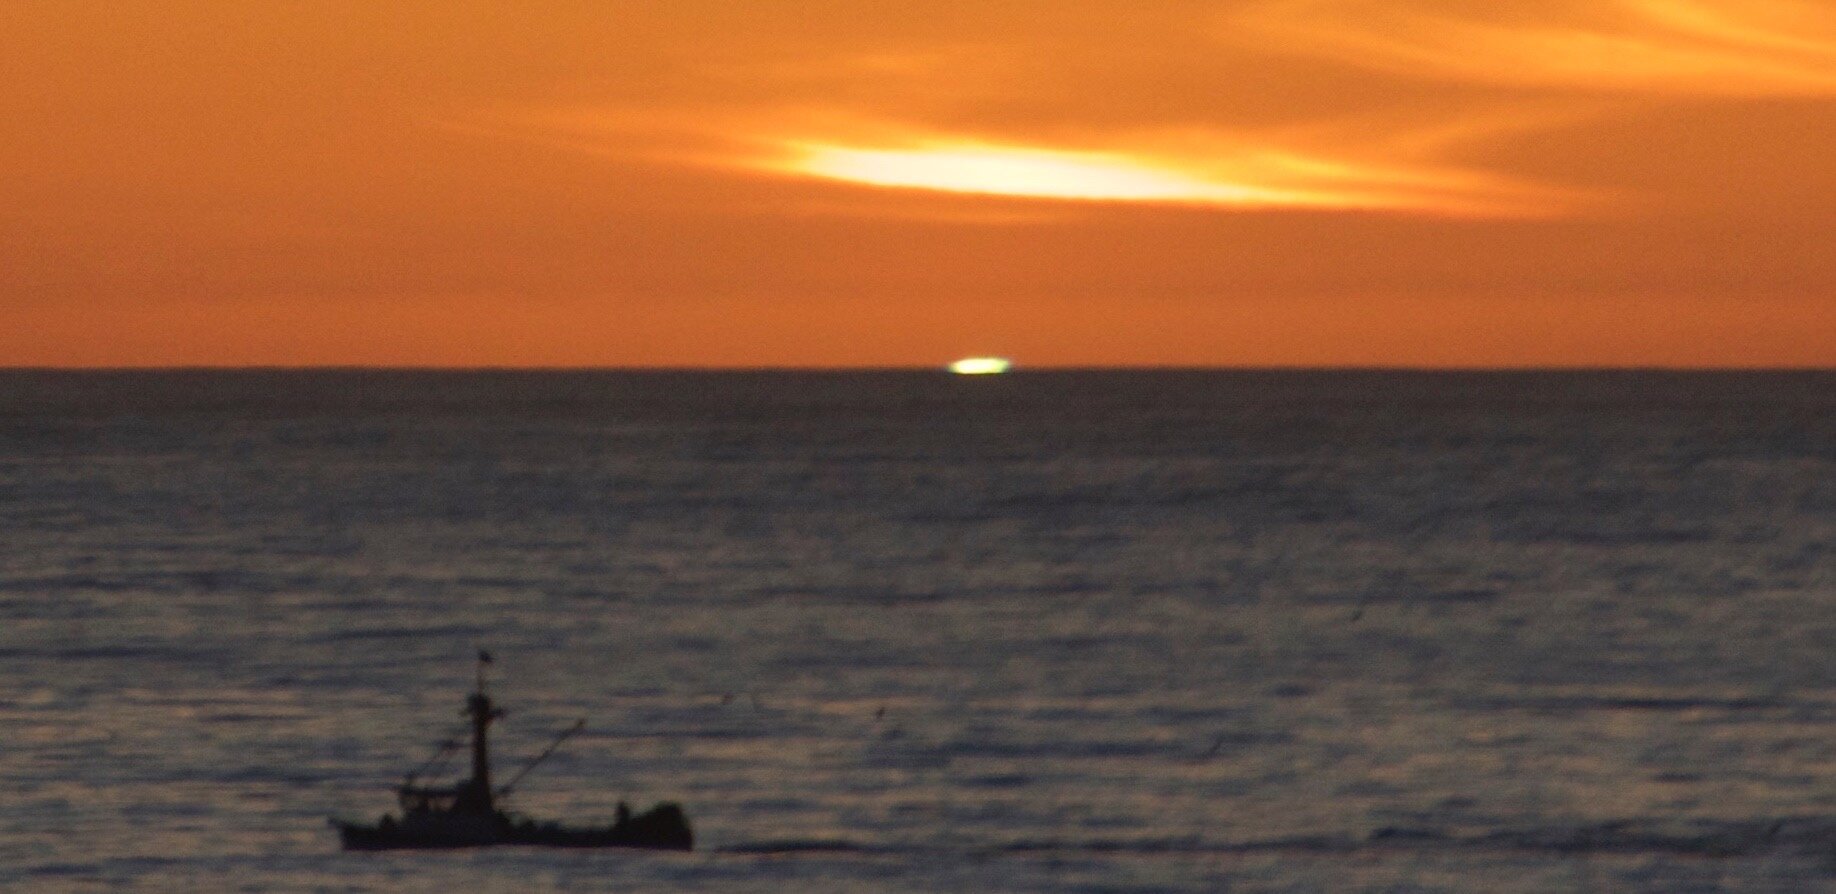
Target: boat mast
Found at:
x=477, y=794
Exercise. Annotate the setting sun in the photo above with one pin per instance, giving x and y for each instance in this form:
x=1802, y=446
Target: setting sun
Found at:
x=981, y=366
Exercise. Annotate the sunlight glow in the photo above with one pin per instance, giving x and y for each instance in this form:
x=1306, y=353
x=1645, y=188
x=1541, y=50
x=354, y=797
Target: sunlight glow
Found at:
x=1361, y=165
x=1219, y=173
x=1034, y=173
x=981, y=366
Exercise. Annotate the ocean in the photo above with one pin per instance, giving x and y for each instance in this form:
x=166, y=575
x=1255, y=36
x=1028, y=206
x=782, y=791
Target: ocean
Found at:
x=1082, y=631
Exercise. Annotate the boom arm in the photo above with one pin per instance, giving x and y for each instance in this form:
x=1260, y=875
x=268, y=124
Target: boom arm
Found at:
x=565, y=734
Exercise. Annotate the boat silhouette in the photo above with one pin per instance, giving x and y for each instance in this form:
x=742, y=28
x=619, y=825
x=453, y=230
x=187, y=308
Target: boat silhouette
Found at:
x=467, y=813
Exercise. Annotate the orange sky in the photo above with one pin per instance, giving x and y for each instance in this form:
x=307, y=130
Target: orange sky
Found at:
x=823, y=183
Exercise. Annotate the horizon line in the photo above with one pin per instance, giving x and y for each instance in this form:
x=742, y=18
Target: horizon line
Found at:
x=941, y=368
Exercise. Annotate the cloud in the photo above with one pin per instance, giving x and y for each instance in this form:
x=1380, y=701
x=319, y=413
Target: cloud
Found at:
x=1392, y=164
x=1408, y=106
x=1670, y=47
x=1224, y=174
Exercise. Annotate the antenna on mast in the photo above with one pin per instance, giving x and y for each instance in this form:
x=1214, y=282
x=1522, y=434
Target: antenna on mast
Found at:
x=484, y=658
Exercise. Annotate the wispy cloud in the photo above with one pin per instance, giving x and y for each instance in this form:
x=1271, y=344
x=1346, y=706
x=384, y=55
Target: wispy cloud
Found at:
x=1396, y=106
x=1318, y=167
x=1224, y=174
x=1687, y=47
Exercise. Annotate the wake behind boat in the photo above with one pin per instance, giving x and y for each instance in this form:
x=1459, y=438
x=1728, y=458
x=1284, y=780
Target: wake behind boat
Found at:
x=466, y=814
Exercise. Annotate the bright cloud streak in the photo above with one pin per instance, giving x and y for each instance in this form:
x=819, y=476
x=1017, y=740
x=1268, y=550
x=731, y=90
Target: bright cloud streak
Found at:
x=1261, y=179
x=1034, y=173
x=1394, y=167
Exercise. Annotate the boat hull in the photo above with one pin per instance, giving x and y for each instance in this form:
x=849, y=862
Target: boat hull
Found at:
x=662, y=828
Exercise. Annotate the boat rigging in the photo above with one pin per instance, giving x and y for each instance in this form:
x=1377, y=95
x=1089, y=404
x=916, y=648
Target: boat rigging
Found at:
x=467, y=814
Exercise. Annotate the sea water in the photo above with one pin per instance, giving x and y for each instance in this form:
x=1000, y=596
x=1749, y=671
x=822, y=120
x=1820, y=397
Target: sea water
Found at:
x=903, y=631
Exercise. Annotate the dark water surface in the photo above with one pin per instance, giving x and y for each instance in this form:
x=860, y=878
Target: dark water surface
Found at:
x=1168, y=631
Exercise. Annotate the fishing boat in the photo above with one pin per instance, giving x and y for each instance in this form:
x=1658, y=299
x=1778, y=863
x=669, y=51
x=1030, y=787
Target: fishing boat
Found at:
x=467, y=813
